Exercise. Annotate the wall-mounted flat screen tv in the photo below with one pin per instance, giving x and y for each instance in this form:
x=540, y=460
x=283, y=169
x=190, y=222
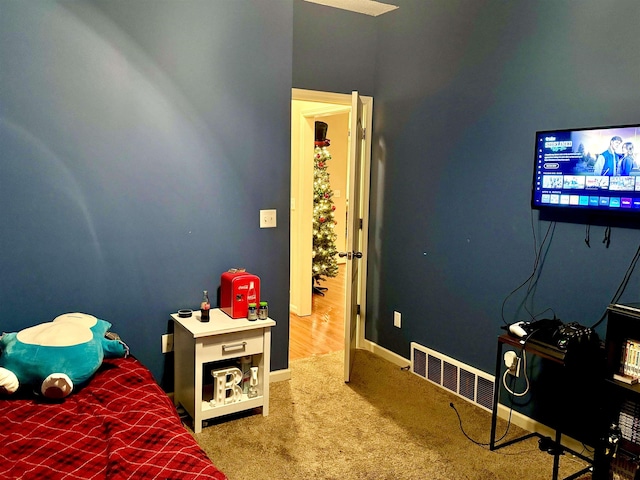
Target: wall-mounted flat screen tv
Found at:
x=588, y=169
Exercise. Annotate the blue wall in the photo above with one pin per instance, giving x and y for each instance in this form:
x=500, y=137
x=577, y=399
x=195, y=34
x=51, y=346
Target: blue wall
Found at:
x=334, y=50
x=138, y=142
x=460, y=88
x=454, y=150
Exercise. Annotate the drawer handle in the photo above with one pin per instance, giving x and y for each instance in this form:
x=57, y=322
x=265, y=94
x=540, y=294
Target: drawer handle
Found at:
x=234, y=347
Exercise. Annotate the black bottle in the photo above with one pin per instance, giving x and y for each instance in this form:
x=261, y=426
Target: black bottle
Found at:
x=205, y=306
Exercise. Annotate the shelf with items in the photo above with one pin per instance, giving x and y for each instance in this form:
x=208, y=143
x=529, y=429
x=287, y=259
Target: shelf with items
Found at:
x=623, y=385
x=226, y=385
x=629, y=425
x=622, y=347
x=622, y=343
x=629, y=365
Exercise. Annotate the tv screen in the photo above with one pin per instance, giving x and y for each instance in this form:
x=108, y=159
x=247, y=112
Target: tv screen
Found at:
x=588, y=169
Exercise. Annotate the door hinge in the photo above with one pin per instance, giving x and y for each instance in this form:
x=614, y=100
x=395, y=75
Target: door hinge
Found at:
x=358, y=309
x=364, y=133
x=360, y=224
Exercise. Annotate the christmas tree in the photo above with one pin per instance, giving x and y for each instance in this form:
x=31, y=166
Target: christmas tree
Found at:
x=324, y=237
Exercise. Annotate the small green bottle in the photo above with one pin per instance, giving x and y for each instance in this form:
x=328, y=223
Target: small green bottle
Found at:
x=252, y=313
x=263, y=311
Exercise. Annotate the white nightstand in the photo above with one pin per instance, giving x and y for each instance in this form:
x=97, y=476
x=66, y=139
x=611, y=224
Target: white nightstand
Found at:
x=196, y=344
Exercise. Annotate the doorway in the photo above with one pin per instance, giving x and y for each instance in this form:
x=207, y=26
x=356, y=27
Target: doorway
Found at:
x=323, y=331
x=317, y=323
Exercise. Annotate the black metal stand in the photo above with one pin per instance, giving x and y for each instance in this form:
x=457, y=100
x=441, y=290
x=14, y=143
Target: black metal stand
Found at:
x=316, y=288
x=555, y=447
x=319, y=290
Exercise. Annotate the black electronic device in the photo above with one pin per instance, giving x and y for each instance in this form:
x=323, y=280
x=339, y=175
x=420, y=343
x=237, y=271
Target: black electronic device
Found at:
x=588, y=170
x=542, y=330
x=571, y=343
x=572, y=335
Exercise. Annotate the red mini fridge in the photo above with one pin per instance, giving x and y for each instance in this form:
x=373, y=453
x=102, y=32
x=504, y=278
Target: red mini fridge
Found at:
x=236, y=293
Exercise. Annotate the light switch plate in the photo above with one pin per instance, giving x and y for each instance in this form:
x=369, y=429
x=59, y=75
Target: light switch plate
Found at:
x=268, y=218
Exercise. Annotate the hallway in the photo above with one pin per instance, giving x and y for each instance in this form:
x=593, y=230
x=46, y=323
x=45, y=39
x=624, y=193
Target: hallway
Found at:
x=322, y=331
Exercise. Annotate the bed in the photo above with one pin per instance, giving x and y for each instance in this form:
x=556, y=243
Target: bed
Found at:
x=120, y=425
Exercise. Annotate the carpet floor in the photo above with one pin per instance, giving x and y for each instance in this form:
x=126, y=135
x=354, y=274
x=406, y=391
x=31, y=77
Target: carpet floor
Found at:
x=386, y=424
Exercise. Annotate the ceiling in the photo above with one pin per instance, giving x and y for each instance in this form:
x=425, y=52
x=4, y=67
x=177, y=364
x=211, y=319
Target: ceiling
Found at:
x=368, y=7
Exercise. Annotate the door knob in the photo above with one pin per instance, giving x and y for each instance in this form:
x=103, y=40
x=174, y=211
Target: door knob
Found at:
x=350, y=255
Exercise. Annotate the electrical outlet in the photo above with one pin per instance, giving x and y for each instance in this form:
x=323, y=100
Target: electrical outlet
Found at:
x=397, y=319
x=268, y=218
x=515, y=369
x=167, y=343
x=512, y=362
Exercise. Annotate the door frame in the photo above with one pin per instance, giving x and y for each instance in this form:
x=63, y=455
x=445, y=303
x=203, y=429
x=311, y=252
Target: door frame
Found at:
x=302, y=198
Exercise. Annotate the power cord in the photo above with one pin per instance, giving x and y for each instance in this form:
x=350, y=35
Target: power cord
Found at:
x=475, y=441
x=511, y=392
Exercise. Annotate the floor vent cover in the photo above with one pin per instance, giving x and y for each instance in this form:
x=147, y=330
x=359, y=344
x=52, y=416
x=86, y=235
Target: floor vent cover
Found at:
x=469, y=383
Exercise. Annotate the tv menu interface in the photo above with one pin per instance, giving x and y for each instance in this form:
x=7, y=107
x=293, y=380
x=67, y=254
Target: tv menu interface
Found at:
x=595, y=168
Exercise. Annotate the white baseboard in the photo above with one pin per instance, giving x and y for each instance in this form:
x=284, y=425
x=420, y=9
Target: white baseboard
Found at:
x=280, y=375
x=384, y=353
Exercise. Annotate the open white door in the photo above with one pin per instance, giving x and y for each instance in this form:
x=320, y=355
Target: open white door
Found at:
x=354, y=229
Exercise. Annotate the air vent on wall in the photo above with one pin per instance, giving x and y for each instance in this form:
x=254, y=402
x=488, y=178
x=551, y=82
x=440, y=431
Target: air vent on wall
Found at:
x=469, y=383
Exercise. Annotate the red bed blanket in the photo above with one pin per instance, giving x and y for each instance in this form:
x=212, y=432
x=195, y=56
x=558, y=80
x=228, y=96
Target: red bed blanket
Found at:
x=120, y=425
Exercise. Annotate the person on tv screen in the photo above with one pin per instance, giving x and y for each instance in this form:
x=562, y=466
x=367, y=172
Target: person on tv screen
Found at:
x=628, y=161
x=607, y=161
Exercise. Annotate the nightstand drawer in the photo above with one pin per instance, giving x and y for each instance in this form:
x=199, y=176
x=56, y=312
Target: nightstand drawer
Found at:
x=232, y=345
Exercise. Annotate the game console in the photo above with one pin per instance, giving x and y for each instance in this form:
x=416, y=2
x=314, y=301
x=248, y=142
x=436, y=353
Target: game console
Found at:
x=554, y=333
x=542, y=330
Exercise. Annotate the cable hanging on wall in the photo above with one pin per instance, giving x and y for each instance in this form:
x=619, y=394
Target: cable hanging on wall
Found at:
x=622, y=286
x=586, y=235
x=532, y=279
x=607, y=236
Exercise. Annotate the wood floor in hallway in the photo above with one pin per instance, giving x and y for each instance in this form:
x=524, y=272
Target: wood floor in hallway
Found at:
x=323, y=330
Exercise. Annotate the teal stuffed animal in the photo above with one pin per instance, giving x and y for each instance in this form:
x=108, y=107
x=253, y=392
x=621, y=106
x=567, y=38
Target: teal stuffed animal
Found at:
x=53, y=357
